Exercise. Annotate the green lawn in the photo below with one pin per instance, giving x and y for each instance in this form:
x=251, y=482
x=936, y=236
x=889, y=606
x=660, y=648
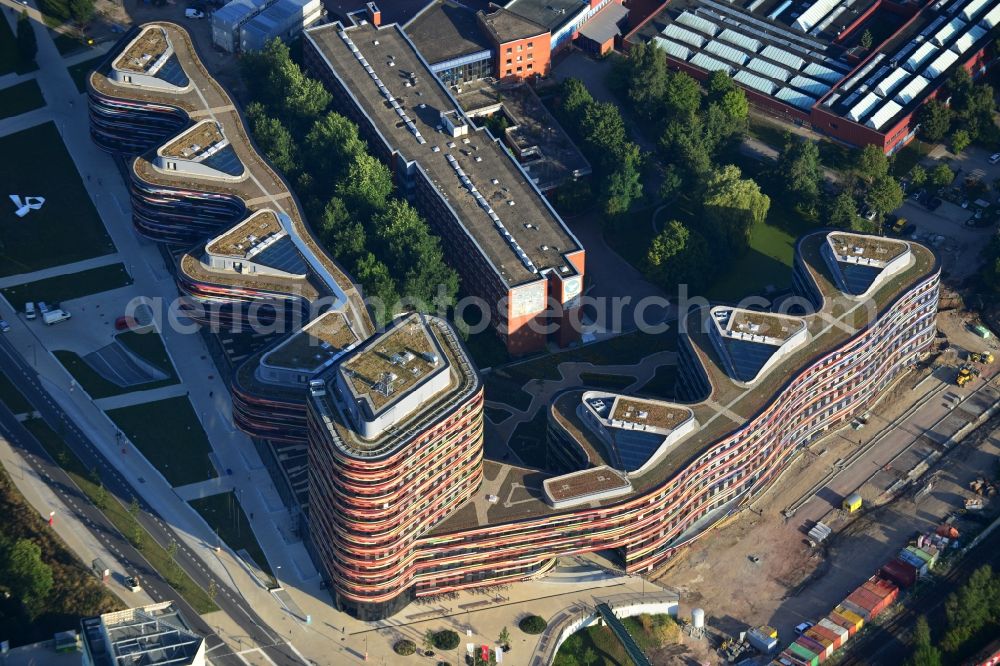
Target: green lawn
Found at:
x=768, y=263
x=70, y=286
x=21, y=98
x=10, y=60
x=169, y=434
x=67, y=228
x=909, y=157
x=149, y=346
x=607, y=650
x=81, y=70
x=225, y=515
x=10, y=396
x=119, y=516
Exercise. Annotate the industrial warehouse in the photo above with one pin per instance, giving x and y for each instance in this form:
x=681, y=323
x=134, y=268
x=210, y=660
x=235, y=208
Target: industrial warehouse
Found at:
x=806, y=62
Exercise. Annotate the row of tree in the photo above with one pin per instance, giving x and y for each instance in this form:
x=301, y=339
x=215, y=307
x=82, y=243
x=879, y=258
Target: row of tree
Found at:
x=599, y=130
x=347, y=193
x=962, y=112
x=973, y=614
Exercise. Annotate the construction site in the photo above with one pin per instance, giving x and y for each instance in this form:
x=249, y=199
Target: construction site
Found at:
x=922, y=460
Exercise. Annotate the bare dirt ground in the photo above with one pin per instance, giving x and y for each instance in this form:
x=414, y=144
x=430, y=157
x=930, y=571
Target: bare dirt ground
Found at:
x=792, y=581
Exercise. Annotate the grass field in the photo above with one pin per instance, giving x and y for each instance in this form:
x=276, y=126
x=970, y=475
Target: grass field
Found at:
x=225, y=515
x=80, y=70
x=67, y=228
x=598, y=646
x=10, y=60
x=10, y=396
x=148, y=346
x=177, y=446
x=67, y=287
x=119, y=516
x=767, y=265
x=21, y=98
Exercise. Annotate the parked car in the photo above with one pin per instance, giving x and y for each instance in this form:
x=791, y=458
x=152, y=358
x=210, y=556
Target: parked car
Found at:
x=965, y=203
x=4, y=326
x=803, y=628
x=193, y=13
x=132, y=583
x=29, y=310
x=994, y=158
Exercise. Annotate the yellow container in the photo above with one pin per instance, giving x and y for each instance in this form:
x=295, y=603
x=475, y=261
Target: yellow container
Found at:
x=765, y=630
x=852, y=503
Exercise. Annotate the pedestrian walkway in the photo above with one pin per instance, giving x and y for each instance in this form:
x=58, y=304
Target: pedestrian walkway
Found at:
x=141, y=397
x=202, y=489
x=63, y=269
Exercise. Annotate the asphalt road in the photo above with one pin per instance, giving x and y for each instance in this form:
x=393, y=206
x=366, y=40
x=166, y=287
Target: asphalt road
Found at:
x=24, y=377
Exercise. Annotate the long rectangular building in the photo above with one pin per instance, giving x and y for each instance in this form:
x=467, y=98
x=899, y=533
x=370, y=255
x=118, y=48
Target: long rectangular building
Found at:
x=508, y=244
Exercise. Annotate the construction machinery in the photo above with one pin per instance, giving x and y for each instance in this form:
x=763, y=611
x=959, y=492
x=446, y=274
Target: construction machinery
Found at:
x=985, y=357
x=966, y=374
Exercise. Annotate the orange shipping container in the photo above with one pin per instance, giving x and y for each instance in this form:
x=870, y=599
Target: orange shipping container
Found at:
x=833, y=636
x=857, y=620
x=823, y=638
x=842, y=621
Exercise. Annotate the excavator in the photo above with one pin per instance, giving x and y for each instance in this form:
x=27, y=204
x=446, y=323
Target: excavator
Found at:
x=966, y=374
x=985, y=357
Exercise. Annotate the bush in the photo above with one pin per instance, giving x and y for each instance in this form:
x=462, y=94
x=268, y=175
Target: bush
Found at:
x=446, y=640
x=404, y=647
x=533, y=624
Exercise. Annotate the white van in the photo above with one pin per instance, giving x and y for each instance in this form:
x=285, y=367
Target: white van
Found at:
x=29, y=310
x=54, y=316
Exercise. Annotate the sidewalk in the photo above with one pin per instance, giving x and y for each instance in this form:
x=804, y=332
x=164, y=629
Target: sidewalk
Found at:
x=63, y=269
x=141, y=397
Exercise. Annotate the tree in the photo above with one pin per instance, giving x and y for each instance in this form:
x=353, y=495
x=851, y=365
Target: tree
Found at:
x=942, y=175
x=871, y=164
x=625, y=184
x=682, y=96
x=427, y=640
x=367, y=185
x=81, y=10
x=884, y=195
x=647, y=79
x=671, y=241
x=671, y=183
x=272, y=137
x=798, y=169
x=331, y=145
x=504, y=638
x=575, y=99
x=976, y=604
x=414, y=255
x=446, y=640
x=842, y=211
x=918, y=176
x=603, y=131
x=735, y=105
x=718, y=84
x=732, y=206
x=924, y=653
x=379, y=288
x=960, y=140
x=27, y=45
x=26, y=575
x=866, y=40
x=343, y=237
x=934, y=119
x=589, y=657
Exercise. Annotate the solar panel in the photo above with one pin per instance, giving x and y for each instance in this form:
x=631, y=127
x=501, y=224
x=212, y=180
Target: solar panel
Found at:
x=634, y=447
x=884, y=114
x=172, y=72
x=698, y=23
x=756, y=82
x=858, y=277
x=679, y=34
x=709, y=64
x=945, y=34
x=811, y=86
x=940, y=64
x=920, y=56
x=795, y=98
x=889, y=83
x=743, y=41
x=992, y=18
x=861, y=109
x=784, y=57
x=820, y=72
x=769, y=69
x=911, y=90
x=727, y=53
x=968, y=39
x=673, y=48
x=282, y=255
x=815, y=13
x=748, y=358
x=226, y=161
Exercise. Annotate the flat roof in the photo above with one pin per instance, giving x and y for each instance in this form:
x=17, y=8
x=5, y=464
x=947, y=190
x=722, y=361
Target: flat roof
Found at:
x=766, y=324
x=261, y=187
x=551, y=14
x=143, y=52
x=508, y=26
x=585, y=482
x=527, y=223
x=445, y=30
x=654, y=413
x=194, y=142
x=604, y=25
x=240, y=239
x=871, y=248
x=392, y=364
x=308, y=349
x=729, y=406
x=150, y=635
x=550, y=156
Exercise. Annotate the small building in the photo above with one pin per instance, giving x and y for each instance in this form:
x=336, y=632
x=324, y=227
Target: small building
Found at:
x=852, y=503
x=150, y=635
x=246, y=25
x=229, y=19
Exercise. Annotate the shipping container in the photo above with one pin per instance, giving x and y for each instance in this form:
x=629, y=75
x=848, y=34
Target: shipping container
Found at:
x=860, y=612
x=833, y=635
x=765, y=630
x=838, y=618
x=885, y=590
x=797, y=659
x=760, y=641
x=902, y=573
x=851, y=503
x=803, y=653
x=869, y=601
x=828, y=642
x=814, y=646
x=842, y=633
x=928, y=552
x=921, y=566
